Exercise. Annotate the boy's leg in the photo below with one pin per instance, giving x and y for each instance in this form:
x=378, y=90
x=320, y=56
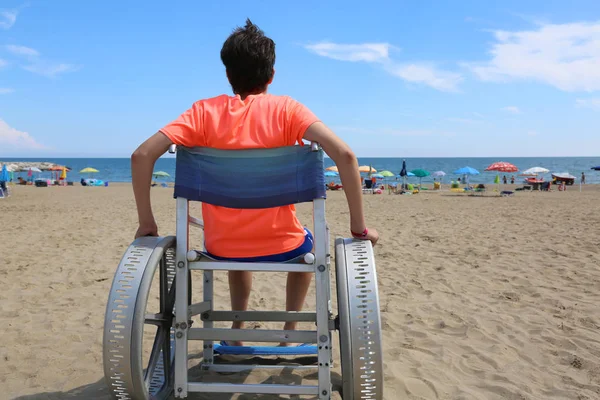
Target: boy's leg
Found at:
x=240, y=285
x=296, y=290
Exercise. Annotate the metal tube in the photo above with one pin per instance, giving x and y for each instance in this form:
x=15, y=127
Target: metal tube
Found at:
x=253, y=388
x=241, y=266
x=181, y=299
x=323, y=302
x=262, y=316
x=252, y=335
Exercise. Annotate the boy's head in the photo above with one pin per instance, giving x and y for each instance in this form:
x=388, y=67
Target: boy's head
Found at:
x=249, y=58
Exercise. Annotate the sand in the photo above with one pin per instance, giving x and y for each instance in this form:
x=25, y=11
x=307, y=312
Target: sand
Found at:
x=481, y=298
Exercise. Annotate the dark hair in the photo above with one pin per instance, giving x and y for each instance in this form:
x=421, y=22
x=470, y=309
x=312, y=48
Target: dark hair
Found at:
x=249, y=57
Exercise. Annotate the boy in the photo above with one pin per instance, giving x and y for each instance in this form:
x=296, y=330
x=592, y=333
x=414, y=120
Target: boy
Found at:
x=250, y=119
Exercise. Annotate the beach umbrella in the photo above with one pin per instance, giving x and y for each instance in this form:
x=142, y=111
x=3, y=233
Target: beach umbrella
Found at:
x=331, y=174
x=63, y=174
x=420, y=173
x=88, y=170
x=334, y=169
x=386, y=174
x=366, y=168
x=160, y=174
x=4, y=177
x=378, y=176
x=33, y=169
x=439, y=174
x=502, y=166
x=535, y=171
x=403, y=174
x=468, y=171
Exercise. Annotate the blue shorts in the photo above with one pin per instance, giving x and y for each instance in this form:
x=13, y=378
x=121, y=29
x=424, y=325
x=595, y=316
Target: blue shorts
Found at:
x=304, y=248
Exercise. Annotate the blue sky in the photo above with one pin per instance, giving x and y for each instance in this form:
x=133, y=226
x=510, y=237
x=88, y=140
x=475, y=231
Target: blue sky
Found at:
x=394, y=79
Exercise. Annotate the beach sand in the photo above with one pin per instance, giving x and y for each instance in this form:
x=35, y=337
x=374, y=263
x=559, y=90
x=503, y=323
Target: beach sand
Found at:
x=481, y=297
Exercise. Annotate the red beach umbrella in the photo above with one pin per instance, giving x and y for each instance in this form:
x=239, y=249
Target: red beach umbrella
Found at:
x=502, y=166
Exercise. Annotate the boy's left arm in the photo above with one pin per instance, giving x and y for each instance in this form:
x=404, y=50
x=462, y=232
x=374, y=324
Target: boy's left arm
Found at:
x=142, y=165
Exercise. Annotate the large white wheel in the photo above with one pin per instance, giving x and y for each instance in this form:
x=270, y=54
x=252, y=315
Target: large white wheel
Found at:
x=126, y=318
x=359, y=320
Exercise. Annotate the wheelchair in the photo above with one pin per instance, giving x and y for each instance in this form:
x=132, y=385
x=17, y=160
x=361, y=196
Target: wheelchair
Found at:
x=270, y=178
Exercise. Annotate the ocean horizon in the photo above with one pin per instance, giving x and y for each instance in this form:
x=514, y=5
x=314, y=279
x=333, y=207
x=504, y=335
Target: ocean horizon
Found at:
x=118, y=169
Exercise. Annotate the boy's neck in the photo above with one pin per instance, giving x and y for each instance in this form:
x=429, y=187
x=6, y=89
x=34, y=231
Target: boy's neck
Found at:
x=244, y=95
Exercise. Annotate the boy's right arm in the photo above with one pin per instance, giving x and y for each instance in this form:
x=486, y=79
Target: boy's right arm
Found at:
x=347, y=164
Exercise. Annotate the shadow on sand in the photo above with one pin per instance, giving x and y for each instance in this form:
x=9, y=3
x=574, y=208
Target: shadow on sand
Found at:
x=99, y=390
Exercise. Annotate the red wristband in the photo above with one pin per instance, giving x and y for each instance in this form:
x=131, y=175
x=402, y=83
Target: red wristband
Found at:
x=360, y=235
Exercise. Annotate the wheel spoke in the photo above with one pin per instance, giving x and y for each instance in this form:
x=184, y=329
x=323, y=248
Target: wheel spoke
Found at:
x=155, y=355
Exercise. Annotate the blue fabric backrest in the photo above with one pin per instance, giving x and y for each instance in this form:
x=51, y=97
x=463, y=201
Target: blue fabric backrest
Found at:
x=257, y=178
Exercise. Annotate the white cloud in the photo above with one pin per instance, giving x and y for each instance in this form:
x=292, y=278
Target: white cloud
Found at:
x=6, y=90
x=38, y=65
x=428, y=75
x=512, y=109
x=589, y=103
x=468, y=121
x=566, y=56
x=8, y=18
x=22, y=51
x=50, y=69
x=367, y=52
x=422, y=73
x=13, y=139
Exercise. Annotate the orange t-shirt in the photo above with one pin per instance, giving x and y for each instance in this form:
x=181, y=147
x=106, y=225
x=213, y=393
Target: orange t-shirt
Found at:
x=230, y=123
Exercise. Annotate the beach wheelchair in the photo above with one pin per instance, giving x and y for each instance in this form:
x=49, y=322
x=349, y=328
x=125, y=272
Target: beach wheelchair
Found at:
x=258, y=178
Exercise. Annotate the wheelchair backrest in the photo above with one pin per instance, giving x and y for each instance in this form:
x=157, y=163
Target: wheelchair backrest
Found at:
x=250, y=179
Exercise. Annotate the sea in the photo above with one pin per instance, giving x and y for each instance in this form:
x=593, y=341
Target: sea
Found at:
x=119, y=170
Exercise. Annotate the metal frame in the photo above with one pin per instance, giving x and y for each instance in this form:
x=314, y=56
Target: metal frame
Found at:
x=359, y=322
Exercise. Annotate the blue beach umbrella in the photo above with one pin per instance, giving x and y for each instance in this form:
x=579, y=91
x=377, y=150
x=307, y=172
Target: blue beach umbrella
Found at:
x=466, y=171
x=4, y=177
x=330, y=174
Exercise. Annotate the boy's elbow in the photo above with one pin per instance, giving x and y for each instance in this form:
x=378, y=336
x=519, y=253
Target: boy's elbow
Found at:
x=138, y=155
x=348, y=157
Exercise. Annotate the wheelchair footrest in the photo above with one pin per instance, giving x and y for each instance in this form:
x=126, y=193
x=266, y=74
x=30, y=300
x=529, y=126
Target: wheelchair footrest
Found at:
x=301, y=350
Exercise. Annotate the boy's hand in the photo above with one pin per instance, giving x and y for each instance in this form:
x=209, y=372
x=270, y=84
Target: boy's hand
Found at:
x=148, y=229
x=372, y=235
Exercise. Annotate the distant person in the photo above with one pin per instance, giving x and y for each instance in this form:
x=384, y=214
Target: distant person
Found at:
x=504, y=179
x=512, y=180
x=583, y=178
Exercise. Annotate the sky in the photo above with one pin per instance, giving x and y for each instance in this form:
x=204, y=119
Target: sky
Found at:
x=392, y=78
